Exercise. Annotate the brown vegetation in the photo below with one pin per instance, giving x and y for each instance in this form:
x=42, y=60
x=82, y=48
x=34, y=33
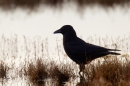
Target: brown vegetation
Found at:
x=60, y=75
x=3, y=70
x=112, y=71
x=7, y=4
x=36, y=73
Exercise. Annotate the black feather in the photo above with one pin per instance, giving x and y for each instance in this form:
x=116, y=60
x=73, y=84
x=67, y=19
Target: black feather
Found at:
x=80, y=51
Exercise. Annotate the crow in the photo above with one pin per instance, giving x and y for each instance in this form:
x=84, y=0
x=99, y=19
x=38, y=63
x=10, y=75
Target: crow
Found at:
x=78, y=50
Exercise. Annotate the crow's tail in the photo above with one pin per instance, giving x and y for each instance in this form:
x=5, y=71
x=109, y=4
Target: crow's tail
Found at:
x=114, y=50
x=114, y=53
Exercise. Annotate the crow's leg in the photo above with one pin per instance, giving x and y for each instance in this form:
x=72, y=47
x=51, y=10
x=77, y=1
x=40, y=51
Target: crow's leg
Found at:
x=81, y=67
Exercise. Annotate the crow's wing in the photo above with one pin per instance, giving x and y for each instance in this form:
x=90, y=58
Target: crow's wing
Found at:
x=79, y=46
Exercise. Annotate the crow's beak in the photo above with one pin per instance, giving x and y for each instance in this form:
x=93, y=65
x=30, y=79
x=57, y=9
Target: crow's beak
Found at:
x=57, y=31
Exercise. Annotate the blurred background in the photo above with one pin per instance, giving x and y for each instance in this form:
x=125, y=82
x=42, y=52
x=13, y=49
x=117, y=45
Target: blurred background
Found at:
x=99, y=18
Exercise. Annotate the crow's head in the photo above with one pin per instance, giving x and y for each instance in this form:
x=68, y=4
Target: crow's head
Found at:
x=66, y=31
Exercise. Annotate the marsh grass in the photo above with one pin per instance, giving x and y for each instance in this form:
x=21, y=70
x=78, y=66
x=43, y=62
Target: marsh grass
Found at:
x=61, y=76
x=36, y=73
x=4, y=70
x=34, y=62
x=110, y=72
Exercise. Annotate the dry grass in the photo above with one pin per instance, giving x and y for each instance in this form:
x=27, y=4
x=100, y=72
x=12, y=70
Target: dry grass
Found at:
x=60, y=76
x=36, y=73
x=112, y=71
x=3, y=70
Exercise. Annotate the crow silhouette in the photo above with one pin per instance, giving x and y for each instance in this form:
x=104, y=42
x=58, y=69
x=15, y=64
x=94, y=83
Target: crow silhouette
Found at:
x=80, y=51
